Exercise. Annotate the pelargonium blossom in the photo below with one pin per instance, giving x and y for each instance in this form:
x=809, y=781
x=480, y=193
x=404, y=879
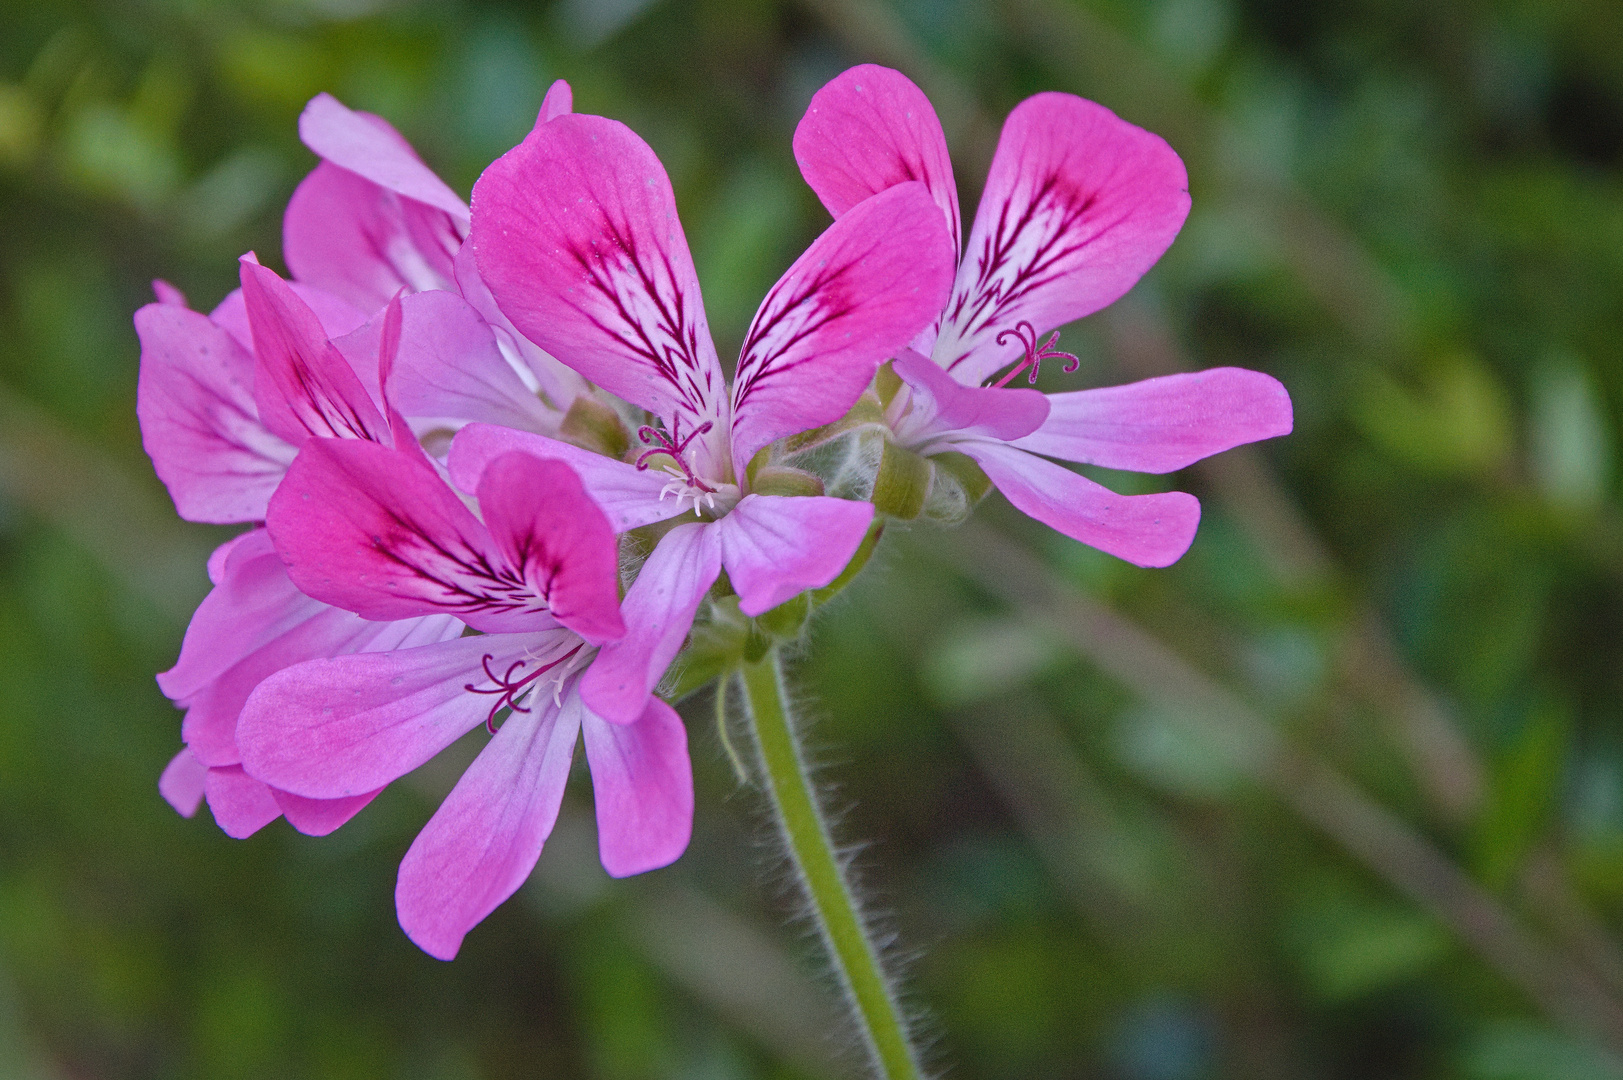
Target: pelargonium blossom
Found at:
x=576, y=233
x=222, y=423
x=378, y=532
x=371, y=220
x=1077, y=206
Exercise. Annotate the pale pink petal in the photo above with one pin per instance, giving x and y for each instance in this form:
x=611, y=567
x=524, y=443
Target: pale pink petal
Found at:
x=365, y=243
x=642, y=783
x=775, y=548
x=627, y=494
x=240, y=804
x=338, y=316
x=318, y=817
x=658, y=610
x=369, y=146
x=253, y=603
x=1163, y=424
x=199, y=423
x=863, y=290
x=210, y=726
x=549, y=530
x=1079, y=203
x=485, y=838
x=348, y=725
x=218, y=557
x=448, y=367
x=942, y=405
x=578, y=239
x=1147, y=530
x=181, y=784
x=559, y=385
x=302, y=384
x=870, y=129
x=168, y=294
x=560, y=101
x=377, y=532
x=254, y=623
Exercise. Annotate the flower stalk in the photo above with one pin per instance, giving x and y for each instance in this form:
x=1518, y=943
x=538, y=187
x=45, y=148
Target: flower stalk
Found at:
x=789, y=787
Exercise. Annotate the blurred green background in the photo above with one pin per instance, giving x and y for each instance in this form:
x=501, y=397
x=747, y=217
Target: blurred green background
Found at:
x=1338, y=796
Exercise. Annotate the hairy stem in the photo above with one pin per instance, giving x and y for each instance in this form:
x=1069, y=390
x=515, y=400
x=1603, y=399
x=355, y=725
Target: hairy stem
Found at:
x=873, y=1006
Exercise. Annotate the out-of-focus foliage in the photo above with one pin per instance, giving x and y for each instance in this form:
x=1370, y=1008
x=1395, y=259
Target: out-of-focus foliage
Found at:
x=1410, y=213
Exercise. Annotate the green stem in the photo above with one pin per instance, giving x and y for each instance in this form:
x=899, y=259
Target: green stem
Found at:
x=855, y=959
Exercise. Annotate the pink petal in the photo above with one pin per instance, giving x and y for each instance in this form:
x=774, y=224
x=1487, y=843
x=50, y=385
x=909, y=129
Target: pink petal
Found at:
x=448, y=366
x=198, y=419
x=255, y=623
x=559, y=384
x=1079, y=204
x=863, y=290
x=642, y=783
x=368, y=146
x=578, y=239
x=346, y=726
x=377, y=532
x=338, y=316
x=218, y=557
x=870, y=129
x=168, y=294
x=240, y=804
x=318, y=817
x=181, y=784
x=365, y=243
x=658, y=610
x=775, y=548
x=303, y=385
x=628, y=495
x=1147, y=530
x=484, y=840
x=560, y=101
x=1162, y=424
x=942, y=405
x=548, y=529
x=253, y=603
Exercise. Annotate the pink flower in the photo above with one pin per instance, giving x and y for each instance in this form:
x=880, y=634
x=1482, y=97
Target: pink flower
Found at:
x=1078, y=205
x=222, y=422
x=372, y=220
x=379, y=533
x=576, y=233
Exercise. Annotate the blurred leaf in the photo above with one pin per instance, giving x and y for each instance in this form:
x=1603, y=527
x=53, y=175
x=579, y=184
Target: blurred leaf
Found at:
x=977, y=660
x=1521, y=1051
x=1457, y=422
x=1522, y=793
x=1571, y=442
x=1350, y=945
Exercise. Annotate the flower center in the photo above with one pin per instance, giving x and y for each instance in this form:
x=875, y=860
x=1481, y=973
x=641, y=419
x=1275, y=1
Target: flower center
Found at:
x=508, y=688
x=685, y=484
x=1035, y=354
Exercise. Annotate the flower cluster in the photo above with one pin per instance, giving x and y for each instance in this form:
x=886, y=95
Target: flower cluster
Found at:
x=494, y=470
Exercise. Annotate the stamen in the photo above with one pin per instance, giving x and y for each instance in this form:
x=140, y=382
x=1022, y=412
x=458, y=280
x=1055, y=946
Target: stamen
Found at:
x=1035, y=355
x=508, y=688
x=670, y=445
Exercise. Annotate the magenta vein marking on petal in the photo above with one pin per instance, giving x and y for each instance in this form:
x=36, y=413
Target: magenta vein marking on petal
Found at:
x=991, y=298
x=507, y=688
x=1035, y=354
x=753, y=369
x=678, y=363
x=510, y=592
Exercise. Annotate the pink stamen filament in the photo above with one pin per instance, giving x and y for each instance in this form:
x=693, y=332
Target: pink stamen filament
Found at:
x=1035, y=354
x=667, y=444
x=508, y=688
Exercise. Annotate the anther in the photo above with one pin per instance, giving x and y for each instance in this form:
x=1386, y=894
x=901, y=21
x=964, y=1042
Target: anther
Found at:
x=508, y=688
x=1035, y=354
x=670, y=445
